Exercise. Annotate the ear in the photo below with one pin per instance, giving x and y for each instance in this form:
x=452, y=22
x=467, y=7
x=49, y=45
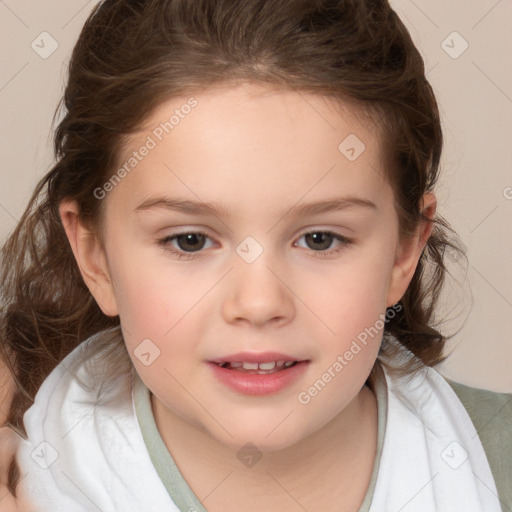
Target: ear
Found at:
x=90, y=257
x=409, y=252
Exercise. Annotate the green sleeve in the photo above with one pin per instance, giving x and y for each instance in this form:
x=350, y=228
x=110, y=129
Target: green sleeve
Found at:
x=491, y=414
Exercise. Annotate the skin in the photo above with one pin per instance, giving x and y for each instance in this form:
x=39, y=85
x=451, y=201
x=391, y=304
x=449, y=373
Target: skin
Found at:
x=258, y=152
x=6, y=391
x=9, y=441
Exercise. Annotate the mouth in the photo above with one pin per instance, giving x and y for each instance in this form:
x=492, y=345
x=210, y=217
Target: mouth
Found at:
x=257, y=368
x=258, y=378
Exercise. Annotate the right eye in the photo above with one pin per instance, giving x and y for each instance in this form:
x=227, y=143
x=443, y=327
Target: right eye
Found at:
x=184, y=244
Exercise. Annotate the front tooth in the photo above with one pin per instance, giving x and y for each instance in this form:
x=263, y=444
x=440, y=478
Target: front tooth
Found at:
x=250, y=366
x=267, y=366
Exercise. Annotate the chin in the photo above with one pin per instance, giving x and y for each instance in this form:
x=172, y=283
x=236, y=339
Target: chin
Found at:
x=260, y=438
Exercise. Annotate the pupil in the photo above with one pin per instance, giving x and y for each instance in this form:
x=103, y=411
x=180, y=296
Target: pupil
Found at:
x=189, y=241
x=319, y=238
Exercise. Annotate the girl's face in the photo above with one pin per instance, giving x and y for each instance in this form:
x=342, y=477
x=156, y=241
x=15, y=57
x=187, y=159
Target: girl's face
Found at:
x=298, y=253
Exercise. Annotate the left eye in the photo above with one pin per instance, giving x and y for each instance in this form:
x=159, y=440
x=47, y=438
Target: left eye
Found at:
x=322, y=240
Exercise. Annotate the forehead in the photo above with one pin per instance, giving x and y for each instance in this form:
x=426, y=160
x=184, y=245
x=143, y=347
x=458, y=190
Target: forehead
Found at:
x=255, y=141
x=226, y=111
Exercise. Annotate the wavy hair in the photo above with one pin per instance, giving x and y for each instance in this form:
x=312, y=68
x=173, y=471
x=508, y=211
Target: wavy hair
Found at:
x=132, y=55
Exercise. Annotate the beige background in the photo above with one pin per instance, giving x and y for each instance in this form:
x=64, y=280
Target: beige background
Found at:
x=474, y=90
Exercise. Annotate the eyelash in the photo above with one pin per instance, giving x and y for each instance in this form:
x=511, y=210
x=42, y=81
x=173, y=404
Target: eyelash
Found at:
x=165, y=243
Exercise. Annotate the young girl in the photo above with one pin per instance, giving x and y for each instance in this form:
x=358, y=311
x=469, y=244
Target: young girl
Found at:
x=223, y=293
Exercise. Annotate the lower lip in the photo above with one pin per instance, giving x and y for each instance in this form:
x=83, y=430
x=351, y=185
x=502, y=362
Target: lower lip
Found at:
x=257, y=383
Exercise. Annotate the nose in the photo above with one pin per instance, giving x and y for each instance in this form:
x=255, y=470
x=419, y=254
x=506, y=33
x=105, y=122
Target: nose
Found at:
x=258, y=295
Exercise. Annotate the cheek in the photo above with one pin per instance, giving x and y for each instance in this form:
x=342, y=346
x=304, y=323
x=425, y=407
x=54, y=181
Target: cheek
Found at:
x=153, y=295
x=159, y=311
x=351, y=297
x=352, y=304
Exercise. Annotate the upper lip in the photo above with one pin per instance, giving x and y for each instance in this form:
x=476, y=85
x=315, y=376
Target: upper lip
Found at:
x=256, y=357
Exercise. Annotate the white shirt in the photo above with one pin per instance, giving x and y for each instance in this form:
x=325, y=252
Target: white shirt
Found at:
x=85, y=451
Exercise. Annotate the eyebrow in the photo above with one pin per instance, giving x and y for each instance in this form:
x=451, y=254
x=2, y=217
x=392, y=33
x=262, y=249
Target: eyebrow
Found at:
x=218, y=210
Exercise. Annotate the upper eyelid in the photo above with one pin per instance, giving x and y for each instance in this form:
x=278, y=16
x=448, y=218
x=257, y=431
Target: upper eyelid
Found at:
x=301, y=233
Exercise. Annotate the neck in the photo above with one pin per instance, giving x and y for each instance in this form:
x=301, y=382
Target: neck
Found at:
x=342, y=452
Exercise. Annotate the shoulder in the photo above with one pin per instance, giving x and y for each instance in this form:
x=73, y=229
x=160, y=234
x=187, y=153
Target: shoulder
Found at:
x=491, y=414
x=488, y=409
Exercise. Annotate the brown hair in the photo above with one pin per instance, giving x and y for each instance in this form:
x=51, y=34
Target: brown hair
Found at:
x=133, y=54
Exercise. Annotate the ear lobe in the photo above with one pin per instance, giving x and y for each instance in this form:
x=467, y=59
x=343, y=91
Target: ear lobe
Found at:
x=409, y=252
x=90, y=257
